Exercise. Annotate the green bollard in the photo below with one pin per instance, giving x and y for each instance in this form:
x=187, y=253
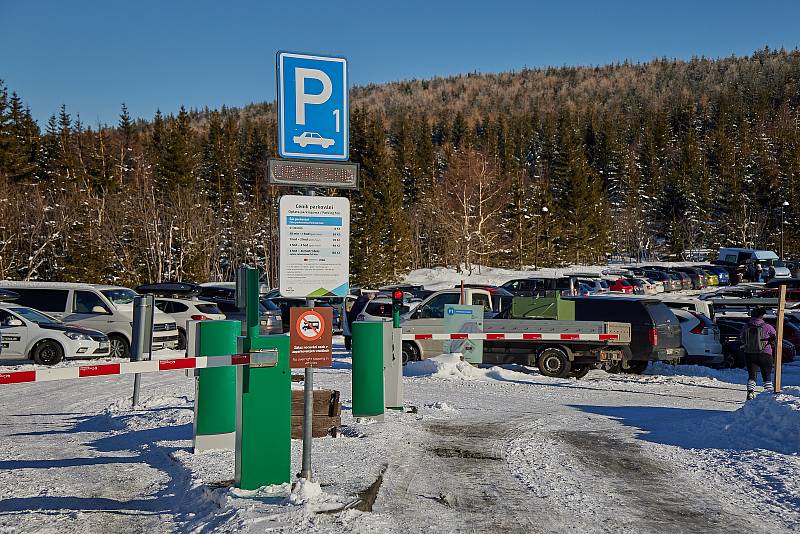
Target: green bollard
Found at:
x=264, y=418
x=368, y=349
x=215, y=388
x=263, y=398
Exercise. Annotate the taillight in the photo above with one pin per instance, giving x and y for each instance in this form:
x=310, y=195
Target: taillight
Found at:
x=652, y=335
x=699, y=329
x=200, y=318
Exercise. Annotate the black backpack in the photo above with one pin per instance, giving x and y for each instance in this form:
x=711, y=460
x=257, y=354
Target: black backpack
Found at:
x=754, y=342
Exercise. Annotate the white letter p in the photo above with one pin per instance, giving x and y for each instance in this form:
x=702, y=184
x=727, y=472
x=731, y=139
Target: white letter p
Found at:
x=302, y=98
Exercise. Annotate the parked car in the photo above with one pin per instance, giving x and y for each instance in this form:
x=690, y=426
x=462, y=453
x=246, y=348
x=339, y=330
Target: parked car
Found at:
x=598, y=285
x=722, y=273
x=696, y=276
x=791, y=325
x=670, y=284
x=620, y=285
x=379, y=309
x=108, y=309
x=33, y=335
x=179, y=300
x=700, y=338
x=648, y=287
x=185, y=310
x=694, y=304
x=684, y=279
x=224, y=296
x=655, y=332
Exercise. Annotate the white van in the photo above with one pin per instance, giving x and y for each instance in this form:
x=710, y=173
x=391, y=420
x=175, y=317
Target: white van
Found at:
x=108, y=309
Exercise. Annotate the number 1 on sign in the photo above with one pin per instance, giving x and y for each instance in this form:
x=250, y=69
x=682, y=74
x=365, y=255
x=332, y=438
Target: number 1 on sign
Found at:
x=336, y=115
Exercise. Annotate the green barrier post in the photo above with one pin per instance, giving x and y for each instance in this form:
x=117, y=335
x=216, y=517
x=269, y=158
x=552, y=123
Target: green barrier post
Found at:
x=215, y=388
x=263, y=398
x=368, y=348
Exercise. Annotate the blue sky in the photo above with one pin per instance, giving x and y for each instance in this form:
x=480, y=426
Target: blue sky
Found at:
x=94, y=55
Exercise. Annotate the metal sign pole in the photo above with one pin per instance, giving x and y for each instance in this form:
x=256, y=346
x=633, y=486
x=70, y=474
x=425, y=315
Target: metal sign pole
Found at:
x=142, y=337
x=308, y=404
x=779, y=342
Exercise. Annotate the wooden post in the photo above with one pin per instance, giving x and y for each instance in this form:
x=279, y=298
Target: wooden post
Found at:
x=779, y=341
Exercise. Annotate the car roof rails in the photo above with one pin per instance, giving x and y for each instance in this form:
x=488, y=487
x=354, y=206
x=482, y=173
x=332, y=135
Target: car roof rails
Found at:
x=170, y=289
x=8, y=296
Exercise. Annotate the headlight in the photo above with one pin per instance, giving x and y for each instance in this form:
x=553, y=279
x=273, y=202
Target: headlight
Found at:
x=77, y=336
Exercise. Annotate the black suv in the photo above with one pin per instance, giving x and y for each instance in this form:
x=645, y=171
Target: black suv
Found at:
x=655, y=331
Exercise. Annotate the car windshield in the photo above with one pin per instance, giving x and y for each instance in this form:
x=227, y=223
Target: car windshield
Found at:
x=119, y=296
x=34, y=316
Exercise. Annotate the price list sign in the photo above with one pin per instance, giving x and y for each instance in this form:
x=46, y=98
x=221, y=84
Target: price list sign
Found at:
x=315, y=246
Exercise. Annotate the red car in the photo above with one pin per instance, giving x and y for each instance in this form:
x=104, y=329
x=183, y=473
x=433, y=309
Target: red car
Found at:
x=620, y=285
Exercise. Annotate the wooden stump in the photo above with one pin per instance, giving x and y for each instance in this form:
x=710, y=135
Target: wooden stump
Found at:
x=327, y=413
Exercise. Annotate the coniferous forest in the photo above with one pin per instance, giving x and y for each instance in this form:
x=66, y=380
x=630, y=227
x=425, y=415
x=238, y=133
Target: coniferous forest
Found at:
x=541, y=167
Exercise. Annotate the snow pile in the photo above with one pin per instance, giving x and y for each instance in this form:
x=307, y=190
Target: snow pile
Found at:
x=444, y=277
x=440, y=406
x=305, y=491
x=769, y=421
x=452, y=367
x=444, y=366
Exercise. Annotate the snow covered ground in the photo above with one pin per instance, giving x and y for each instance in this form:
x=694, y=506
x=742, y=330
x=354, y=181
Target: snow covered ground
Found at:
x=489, y=449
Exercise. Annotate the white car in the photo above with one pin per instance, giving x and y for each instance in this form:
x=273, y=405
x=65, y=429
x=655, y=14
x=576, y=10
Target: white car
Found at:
x=649, y=287
x=379, y=309
x=29, y=334
x=185, y=310
x=108, y=309
x=311, y=138
x=700, y=338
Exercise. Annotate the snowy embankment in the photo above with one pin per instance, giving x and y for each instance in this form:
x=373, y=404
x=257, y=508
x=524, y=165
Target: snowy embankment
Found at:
x=445, y=277
x=770, y=421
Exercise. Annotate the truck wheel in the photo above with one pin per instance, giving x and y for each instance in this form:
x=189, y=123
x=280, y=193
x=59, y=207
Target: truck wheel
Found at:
x=636, y=367
x=410, y=353
x=48, y=352
x=553, y=362
x=118, y=347
x=579, y=371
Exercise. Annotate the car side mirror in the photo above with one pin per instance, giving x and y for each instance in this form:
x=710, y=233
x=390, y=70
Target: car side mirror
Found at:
x=14, y=322
x=98, y=309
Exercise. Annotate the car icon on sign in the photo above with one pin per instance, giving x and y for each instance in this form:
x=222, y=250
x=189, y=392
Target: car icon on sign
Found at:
x=311, y=138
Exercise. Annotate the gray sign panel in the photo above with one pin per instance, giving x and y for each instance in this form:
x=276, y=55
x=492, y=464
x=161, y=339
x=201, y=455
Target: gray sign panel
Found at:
x=313, y=174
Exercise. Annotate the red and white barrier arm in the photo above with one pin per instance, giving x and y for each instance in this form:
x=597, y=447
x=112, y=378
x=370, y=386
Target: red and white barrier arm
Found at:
x=517, y=336
x=123, y=368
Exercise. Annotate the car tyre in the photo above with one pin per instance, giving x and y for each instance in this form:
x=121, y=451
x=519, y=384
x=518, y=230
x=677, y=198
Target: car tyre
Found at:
x=553, y=362
x=48, y=352
x=181, y=339
x=118, y=347
x=410, y=353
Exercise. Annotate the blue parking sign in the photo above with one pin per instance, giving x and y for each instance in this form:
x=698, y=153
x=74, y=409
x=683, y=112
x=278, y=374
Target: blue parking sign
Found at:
x=312, y=107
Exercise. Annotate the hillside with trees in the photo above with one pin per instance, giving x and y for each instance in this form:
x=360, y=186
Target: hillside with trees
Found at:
x=539, y=167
